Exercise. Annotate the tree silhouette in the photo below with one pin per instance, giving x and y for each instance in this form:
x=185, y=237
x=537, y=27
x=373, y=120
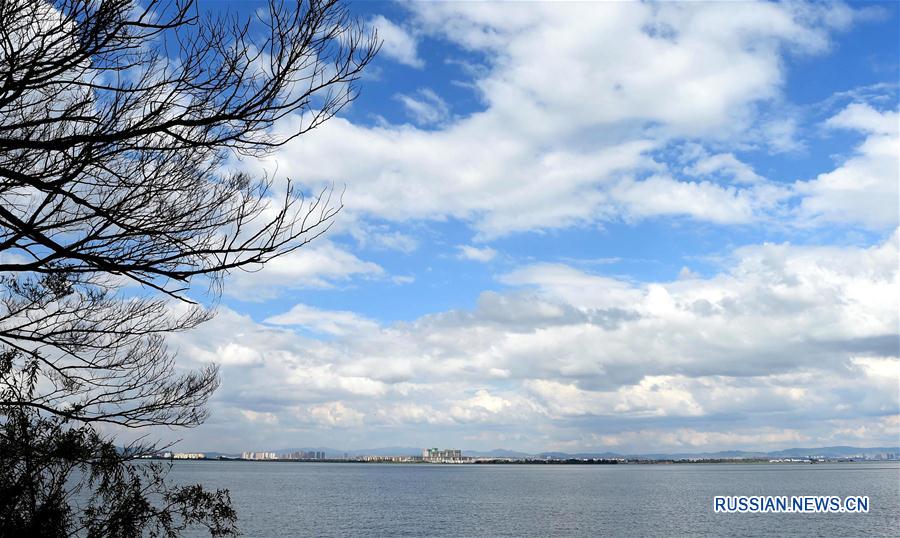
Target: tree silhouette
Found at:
x=117, y=124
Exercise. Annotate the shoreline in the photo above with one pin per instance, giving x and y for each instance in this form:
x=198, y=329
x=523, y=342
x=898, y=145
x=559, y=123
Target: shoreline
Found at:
x=533, y=461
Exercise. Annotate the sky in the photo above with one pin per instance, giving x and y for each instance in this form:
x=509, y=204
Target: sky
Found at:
x=629, y=227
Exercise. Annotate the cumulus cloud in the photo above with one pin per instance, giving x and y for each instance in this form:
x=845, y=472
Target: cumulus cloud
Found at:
x=478, y=254
x=692, y=439
x=566, y=136
x=256, y=417
x=793, y=344
x=378, y=236
x=235, y=354
x=326, y=321
x=781, y=135
x=334, y=414
x=318, y=265
x=865, y=188
x=425, y=107
x=663, y=195
x=726, y=164
x=397, y=43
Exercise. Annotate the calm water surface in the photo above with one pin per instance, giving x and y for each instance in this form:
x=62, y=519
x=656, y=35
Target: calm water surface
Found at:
x=335, y=499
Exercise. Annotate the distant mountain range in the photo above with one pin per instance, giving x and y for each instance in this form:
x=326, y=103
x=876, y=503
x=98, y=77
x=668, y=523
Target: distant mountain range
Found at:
x=826, y=451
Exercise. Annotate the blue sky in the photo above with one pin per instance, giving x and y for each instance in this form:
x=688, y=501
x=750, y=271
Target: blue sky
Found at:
x=585, y=226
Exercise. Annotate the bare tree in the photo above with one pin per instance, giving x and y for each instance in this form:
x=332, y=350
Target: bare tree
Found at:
x=117, y=123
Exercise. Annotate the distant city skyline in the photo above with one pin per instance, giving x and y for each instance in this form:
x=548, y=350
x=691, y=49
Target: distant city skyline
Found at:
x=456, y=455
x=621, y=227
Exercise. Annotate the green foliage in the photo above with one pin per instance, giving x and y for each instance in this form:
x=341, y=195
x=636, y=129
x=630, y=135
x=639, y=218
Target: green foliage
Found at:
x=62, y=480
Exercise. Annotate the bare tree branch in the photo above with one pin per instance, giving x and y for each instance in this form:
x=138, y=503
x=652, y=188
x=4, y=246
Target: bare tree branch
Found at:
x=117, y=123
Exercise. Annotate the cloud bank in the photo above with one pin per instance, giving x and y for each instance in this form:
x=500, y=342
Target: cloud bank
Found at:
x=787, y=345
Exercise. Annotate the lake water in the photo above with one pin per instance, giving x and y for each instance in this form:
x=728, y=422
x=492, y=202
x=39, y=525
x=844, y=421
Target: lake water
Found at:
x=336, y=499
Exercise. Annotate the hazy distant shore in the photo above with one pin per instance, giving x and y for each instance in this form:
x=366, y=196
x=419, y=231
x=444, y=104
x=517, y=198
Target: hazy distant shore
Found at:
x=568, y=461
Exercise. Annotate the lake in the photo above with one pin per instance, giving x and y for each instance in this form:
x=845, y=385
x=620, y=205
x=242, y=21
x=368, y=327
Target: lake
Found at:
x=337, y=499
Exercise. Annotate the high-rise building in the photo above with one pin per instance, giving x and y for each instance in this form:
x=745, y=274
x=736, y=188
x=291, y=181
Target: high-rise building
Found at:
x=258, y=456
x=188, y=456
x=447, y=455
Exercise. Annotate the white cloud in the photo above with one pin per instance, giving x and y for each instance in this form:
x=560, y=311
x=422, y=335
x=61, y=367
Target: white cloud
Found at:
x=726, y=164
x=862, y=430
x=257, y=417
x=318, y=265
x=865, y=189
x=781, y=135
x=652, y=396
x=793, y=344
x=547, y=57
x=481, y=407
x=879, y=367
x=425, y=107
x=397, y=43
x=862, y=117
x=573, y=286
x=692, y=439
x=235, y=354
x=566, y=132
x=483, y=254
x=326, y=321
x=378, y=236
x=685, y=273
x=333, y=414
x=662, y=195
